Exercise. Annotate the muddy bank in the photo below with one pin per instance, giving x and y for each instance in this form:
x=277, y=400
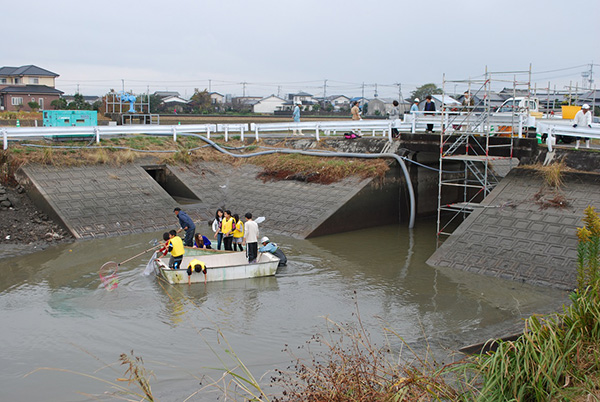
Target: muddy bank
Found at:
x=23, y=228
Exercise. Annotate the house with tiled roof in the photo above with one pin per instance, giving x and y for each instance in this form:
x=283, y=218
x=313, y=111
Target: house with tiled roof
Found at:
x=21, y=85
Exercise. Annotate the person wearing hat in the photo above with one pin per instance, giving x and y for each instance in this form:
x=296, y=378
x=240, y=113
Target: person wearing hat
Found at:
x=296, y=116
x=268, y=247
x=429, y=107
x=583, y=118
x=187, y=224
x=415, y=106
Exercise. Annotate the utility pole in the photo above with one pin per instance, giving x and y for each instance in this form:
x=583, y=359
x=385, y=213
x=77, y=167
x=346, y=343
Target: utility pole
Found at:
x=77, y=88
x=279, y=91
x=362, y=101
x=123, y=85
x=244, y=89
x=400, y=97
x=209, y=85
x=376, y=95
x=324, y=89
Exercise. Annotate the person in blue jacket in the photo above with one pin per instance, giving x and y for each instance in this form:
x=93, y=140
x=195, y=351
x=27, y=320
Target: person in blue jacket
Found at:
x=187, y=224
x=268, y=247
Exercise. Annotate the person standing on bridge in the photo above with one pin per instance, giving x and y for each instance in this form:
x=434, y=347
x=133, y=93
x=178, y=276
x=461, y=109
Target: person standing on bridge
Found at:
x=429, y=107
x=583, y=118
x=187, y=224
x=296, y=115
x=355, y=111
x=394, y=114
x=415, y=106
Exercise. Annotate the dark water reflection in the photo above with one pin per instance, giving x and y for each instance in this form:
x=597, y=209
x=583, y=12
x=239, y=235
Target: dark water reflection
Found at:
x=56, y=313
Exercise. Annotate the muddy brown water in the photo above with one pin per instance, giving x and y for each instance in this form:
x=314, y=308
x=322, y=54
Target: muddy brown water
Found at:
x=55, y=312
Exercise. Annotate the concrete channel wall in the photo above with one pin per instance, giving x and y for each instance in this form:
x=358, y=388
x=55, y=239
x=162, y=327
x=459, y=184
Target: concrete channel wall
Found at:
x=102, y=200
x=520, y=233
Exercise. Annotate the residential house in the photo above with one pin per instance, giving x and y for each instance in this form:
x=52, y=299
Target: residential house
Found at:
x=175, y=102
x=90, y=99
x=245, y=102
x=216, y=98
x=439, y=99
x=383, y=106
x=166, y=94
x=21, y=85
x=338, y=102
x=495, y=100
x=304, y=98
x=269, y=105
x=592, y=98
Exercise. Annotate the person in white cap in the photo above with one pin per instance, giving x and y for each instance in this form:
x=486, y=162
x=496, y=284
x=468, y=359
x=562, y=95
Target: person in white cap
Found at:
x=583, y=118
x=269, y=247
x=296, y=116
x=415, y=106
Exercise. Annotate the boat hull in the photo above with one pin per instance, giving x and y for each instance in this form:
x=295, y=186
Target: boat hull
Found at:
x=219, y=267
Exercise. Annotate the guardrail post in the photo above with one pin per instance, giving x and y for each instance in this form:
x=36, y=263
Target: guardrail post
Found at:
x=317, y=133
x=5, y=138
x=413, y=126
x=390, y=130
x=226, y=132
x=174, y=130
x=256, y=132
x=97, y=133
x=550, y=139
x=242, y=133
x=521, y=125
x=208, y=132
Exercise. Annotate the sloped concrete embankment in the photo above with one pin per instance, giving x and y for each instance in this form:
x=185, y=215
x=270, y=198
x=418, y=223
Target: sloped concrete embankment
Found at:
x=518, y=233
x=100, y=201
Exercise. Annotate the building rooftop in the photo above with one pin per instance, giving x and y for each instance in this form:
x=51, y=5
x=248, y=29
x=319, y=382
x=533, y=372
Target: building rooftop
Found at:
x=26, y=70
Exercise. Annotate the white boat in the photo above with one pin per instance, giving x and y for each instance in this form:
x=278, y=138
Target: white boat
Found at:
x=219, y=267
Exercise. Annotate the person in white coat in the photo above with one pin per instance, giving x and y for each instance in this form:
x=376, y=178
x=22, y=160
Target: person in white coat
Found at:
x=583, y=118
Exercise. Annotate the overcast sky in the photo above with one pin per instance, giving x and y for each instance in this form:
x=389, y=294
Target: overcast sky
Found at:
x=286, y=46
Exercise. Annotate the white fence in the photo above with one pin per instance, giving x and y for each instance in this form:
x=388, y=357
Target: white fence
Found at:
x=412, y=123
x=566, y=129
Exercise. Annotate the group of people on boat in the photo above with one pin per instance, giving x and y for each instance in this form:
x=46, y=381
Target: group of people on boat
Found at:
x=228, y=230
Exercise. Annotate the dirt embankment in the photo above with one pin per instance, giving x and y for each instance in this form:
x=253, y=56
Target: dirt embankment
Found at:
x=23, y=228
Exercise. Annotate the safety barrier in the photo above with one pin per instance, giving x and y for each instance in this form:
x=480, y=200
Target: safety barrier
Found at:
x=567, y=130
x=411, y=124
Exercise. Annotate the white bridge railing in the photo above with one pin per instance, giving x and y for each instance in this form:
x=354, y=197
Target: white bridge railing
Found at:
x=411, y=124
x=567, y=130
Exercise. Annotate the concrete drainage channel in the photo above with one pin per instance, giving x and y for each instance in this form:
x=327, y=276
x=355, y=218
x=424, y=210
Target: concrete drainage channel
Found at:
x=172, y=184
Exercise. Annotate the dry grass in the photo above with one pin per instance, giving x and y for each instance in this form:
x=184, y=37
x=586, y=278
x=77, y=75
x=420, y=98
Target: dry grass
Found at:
x=188, y=150
x=318, y=170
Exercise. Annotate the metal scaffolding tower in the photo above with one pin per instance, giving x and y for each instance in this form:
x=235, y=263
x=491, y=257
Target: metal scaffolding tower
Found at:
x=469, y=151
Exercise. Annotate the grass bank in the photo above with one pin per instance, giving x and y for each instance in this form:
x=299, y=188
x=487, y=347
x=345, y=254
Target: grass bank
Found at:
x=187, y=150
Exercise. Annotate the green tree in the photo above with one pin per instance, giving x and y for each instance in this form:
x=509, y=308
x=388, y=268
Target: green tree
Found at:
x=79, y=103
x=200, y=102
x=59, y=104
x=33, y=105
x=424, y=90
x=98, y=106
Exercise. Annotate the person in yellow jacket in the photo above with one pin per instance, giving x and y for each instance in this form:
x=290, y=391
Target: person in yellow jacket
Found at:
x=198, y=266
x=238, y=233
x=173, y=245
x=227, y=227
